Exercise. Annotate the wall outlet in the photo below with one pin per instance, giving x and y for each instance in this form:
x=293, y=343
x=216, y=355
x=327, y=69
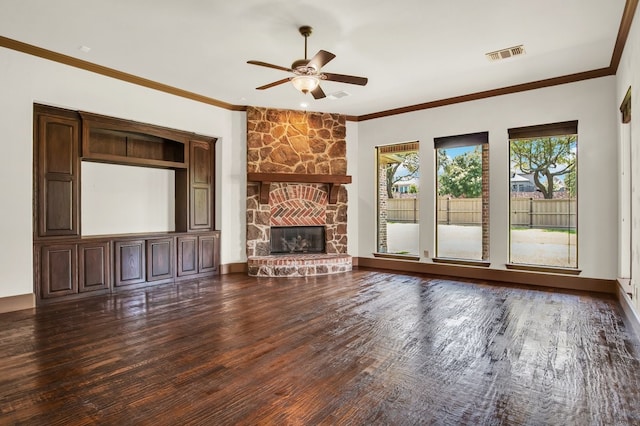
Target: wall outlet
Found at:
x=426, y=253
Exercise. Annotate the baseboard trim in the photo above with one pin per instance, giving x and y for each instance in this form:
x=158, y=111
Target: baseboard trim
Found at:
x=567, y=282
x=234, y=268
x=17, y=303
x=632, y=320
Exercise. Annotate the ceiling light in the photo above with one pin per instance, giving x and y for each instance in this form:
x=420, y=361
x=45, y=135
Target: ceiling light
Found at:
x=305, y=83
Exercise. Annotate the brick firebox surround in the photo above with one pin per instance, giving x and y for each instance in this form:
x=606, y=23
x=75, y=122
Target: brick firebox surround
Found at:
x=296, y=143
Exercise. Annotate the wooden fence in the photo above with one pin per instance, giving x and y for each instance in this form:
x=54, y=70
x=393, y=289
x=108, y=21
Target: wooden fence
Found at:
x=531, y=213
x=403, y=210
x=459, y=211
x=525, y=212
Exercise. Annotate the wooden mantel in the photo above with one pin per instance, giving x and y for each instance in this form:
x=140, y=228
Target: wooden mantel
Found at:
x=266, y=179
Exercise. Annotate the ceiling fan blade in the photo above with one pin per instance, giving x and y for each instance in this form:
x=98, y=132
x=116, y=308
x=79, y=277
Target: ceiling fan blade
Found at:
x=351, y=79
x=321, y=59
x=275, y=83
x=264, y=64
x=318, y=93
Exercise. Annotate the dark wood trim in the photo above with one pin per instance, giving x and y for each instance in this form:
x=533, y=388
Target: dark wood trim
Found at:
x=126, y=125
x=478, y=138
x=467, y=262
x=542, y=130
x=623, y=33
x=555, y=81
x=234, y=268
x=396, y=256
x=110, y=72
x=508, y=276
x=132, y=161
x=537, y=268
x=266, y=179
x=17, y=303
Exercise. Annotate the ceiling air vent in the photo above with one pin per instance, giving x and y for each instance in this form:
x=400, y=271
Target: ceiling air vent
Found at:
x=505, y=53
x=338, y=95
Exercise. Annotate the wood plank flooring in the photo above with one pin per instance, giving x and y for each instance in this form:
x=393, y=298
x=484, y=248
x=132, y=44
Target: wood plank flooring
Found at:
x=360, y=348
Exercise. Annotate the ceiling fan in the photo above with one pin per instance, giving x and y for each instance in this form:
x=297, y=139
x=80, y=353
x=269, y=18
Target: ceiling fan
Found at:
x=306, y=72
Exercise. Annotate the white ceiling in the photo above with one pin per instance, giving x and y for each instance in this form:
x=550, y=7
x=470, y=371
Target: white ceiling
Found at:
x=412, y=51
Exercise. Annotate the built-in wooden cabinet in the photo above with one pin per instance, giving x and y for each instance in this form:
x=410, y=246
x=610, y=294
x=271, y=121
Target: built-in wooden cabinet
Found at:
x=57, y=166
x=129, y=262
x=160, y=259
x=58, y=270
x=187, y=255
x=94, y=266
x=112, y=140
x=68, y=264
x=208, y=246
x=198, y=254
x=201, y=185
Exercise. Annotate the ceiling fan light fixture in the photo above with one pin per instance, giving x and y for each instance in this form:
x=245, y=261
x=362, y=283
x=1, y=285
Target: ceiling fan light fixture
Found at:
x=305, y=83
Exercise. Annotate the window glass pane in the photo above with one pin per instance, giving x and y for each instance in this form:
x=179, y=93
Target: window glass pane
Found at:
x=543, y=200
x=459, y=203
x=398, y=189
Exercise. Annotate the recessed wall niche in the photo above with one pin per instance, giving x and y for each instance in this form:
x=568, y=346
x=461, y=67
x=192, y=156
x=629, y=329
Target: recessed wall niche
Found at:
x=121, y=199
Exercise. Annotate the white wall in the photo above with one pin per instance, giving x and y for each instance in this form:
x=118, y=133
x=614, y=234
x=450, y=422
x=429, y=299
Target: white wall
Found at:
x=27, y=79
x=147, y=193
x=591, y=102
x=352, y=189
x=629, y=75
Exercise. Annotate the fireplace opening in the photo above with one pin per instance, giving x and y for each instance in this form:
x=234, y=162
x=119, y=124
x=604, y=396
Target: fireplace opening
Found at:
x=297, y=239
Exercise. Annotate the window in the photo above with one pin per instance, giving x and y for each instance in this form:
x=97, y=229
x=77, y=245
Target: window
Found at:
x=543, y=196
x=398, y=168
x=462, y=205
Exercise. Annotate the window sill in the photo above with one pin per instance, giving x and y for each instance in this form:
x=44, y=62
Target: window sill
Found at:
x=548, y=269
x=397, y=256
x=465, y=262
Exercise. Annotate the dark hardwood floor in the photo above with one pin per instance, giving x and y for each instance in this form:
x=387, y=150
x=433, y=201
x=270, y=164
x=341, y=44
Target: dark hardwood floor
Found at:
x=367, y=347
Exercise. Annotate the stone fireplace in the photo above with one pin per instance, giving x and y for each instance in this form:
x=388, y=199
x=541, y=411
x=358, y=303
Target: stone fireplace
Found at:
x=296, y=165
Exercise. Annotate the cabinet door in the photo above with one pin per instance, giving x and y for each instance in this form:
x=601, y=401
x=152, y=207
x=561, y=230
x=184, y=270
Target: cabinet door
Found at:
x=130, y=262
x=201, y=185
x=187, y=255
x=58, y=271
x=160, y=259
x=209, y=249
x=93, y=266
x=57, y=181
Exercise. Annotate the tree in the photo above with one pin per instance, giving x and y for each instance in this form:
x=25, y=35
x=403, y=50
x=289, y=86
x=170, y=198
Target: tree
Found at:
x=570, y=182
x=410, y=164
x=460, y=176
x=544, y=159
